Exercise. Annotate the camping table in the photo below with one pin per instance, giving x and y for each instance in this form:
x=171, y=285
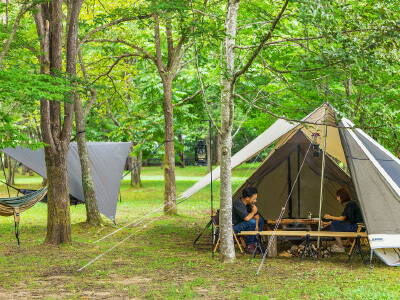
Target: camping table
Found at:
x=308, y=234
x=287, y=222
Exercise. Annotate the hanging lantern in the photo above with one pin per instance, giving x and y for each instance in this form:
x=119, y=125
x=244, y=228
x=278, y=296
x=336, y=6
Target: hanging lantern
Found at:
x=200, y=153
x=316, y=150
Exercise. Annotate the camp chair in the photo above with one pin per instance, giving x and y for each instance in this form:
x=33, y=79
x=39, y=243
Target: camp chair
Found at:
x=356, y=242
x=215, y=219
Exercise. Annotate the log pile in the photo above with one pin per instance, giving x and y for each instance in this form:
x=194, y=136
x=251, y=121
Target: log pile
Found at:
x=297, y=251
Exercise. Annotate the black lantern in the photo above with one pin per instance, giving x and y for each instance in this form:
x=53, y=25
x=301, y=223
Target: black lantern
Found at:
x=316, y=150
x=201, y=154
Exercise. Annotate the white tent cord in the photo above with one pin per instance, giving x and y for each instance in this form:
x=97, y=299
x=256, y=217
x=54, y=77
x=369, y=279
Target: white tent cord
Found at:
x=138, y=222
x=101, y=255
x=284, y=207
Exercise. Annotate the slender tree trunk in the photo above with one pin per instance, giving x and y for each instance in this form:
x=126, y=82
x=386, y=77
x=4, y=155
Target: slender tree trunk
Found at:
x=24, y=169
x=93, y=216
x=136, y=181
x=12, y=165
x=227, y=114
x=92, y=211
x=5, y=161
x=216, y=150
x=209, y=162
x=169, y=149
x=182, y=153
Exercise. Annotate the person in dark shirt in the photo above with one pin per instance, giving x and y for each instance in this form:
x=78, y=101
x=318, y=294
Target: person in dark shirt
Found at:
x=347, y=221
x=245, y=216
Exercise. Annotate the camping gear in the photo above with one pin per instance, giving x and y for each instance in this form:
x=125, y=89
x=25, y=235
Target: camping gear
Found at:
x=16, y=205
x=107, y=161
x=353, y=160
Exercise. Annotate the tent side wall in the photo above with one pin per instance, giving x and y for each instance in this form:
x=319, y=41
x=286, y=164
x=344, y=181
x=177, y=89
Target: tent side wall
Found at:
x=379, y=202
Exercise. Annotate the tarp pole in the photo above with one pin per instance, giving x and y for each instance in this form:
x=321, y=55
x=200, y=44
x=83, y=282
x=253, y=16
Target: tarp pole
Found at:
x=290, y=189
x=322, y=183
x=298, y=181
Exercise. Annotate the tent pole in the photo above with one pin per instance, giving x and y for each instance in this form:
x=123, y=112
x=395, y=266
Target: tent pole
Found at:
x=298, y=181
x=322, y=183
x=290, y=189
x=211, y=196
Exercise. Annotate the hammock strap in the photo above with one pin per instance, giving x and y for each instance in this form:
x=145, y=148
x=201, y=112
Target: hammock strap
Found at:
x=16, y=220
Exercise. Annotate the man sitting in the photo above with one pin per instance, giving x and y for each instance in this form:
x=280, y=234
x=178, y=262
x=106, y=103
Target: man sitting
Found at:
x=245, y=216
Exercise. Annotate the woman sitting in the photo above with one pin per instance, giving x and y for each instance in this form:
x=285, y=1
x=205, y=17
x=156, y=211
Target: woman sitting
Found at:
x=347, y=221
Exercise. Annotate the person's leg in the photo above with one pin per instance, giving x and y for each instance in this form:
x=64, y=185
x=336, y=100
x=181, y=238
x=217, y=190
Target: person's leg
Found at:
x=246, y=226
x=343, y=227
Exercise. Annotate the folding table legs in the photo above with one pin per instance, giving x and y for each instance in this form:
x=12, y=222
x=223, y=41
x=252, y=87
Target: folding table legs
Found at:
x=308, y=246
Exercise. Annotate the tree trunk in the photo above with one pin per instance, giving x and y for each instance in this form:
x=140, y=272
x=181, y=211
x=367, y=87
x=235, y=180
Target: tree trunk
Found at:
x=24, y=170
x=56, y=121
x=227, y=114
x=169, y=150
x=216, y=151
x=58, y=210
x=5, y=161
x=136, y=182
x=182, y=153
x=92, y=211
x=12, y=166
x=209, y=162
x=93, y=216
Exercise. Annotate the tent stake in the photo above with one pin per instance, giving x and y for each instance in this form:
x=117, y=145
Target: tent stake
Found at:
x=322, y=183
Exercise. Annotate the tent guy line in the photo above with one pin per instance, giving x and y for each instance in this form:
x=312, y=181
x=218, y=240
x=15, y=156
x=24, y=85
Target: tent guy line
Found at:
x=138, y=222
x=143, y=227
x=284, y=207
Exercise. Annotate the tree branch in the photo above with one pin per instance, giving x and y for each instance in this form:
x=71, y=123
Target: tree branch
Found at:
x=262, y=44
x=86, y=37
x=22, y=11
x=114, y=64
x=187, y=99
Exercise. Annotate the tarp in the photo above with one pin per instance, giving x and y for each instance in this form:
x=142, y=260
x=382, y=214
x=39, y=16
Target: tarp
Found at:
x=353, y=159
x=107, y=161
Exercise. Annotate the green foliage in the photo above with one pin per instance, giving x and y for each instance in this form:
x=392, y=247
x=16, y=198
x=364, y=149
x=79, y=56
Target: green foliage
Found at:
x=25, y=86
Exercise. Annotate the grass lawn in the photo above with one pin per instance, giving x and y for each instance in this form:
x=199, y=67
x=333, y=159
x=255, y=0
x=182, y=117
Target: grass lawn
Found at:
x=159, y=260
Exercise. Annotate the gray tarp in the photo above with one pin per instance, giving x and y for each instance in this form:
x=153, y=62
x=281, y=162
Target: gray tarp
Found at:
x=107, y=161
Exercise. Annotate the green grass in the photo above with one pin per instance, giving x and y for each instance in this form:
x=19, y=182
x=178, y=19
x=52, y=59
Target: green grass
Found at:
x=160, y=260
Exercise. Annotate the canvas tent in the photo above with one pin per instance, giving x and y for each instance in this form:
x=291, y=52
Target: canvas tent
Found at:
x=353, y=159
x=107, y=161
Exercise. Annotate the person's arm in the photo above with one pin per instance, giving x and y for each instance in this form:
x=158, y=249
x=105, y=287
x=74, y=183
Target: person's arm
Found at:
x=341, y=218
x=252, y=213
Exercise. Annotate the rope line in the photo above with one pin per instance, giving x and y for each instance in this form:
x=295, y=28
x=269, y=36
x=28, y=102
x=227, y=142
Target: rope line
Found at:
x=144, y=226
x=284, y=207
x=138, y=222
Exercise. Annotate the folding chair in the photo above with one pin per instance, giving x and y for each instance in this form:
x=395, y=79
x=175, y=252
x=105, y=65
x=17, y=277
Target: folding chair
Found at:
x=356, y=242
x=215, y=219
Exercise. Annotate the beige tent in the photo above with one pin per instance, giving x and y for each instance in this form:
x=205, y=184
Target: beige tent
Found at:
x=353, y=159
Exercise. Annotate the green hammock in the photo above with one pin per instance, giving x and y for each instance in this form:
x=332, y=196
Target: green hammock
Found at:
x=20, y=203
x=16, y=205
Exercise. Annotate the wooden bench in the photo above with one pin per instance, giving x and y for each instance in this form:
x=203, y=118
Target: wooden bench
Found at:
x=309, y=234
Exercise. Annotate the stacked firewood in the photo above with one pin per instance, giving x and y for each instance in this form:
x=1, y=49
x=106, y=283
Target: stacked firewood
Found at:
x=297, y=251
